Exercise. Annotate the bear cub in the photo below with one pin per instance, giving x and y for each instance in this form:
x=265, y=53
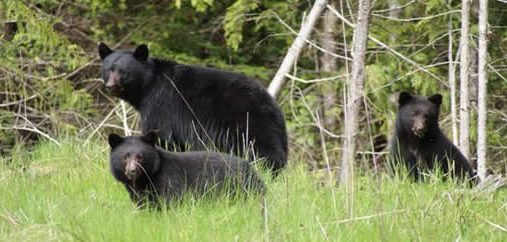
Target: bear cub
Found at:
x=420, y=144
x=150, y=173
x=198, y=108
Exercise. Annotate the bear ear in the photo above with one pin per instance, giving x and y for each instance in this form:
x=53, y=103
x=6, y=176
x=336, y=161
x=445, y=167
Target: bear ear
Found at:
x=114, y=140
x=404, y=98
x=150, y=137
x=436, y=99
x=141, y=52
x=104, y=51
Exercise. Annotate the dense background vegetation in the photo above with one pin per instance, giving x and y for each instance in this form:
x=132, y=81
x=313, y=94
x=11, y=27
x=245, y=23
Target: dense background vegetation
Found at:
x=50, y=84
x=55, y=182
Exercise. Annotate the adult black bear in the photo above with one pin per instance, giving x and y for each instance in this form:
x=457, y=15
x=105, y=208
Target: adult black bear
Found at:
x=418, y=141
x=150, y=173
x=198, y=106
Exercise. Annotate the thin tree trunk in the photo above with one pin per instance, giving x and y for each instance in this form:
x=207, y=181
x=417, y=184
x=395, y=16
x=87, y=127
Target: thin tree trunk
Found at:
x=295, y=49
x=482, y=83
x=473, y=71
x=452, y=84
x=355, y=94
x=328, y=65
x=394, y=13
x=464, y=74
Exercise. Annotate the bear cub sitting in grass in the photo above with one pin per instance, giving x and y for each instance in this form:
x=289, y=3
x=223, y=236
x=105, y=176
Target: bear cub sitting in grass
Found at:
x=150, y=173
x=419, y=142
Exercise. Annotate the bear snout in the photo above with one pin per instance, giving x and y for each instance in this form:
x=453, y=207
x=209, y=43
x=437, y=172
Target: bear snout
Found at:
x=113, y=84
x=419, y=128
x=132, y=169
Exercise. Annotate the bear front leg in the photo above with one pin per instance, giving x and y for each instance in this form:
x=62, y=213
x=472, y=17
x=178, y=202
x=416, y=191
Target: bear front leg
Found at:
x=400, y=153
x=411, y=165
x=136, y=197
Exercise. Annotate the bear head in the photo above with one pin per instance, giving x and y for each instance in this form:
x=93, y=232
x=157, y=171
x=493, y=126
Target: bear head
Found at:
x=134, y=157
x=418, y=115
x=125, y=73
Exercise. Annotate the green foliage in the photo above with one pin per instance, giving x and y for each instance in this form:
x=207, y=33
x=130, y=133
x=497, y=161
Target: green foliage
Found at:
x=201, y=5
x=65, y=192
x=235, y=19
x=302, y=122
x=56, y=38
x=36, y=38
x=34, y=67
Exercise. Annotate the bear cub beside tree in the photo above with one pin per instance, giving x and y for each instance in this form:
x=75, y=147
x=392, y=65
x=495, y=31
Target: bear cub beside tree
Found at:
x=150, y=173
x=420, y=144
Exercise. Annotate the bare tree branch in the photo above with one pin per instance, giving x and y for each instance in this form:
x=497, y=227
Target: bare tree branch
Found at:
x=306, y=30
x=416, y=19
x=383, y=45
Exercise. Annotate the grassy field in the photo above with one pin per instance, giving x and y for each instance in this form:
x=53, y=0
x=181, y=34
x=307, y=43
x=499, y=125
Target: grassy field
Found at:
x=66, y=193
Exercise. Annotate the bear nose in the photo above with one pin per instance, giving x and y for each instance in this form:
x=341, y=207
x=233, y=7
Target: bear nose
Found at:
x=131, y=174
x=113, y=81
x=131, y=170
x=419, y=131
x=109, y=86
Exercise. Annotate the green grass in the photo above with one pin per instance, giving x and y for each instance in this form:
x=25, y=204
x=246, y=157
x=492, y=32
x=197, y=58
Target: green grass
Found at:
x=67, y=193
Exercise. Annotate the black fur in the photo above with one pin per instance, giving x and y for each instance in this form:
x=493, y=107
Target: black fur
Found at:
x=418, y=141
x=150, y=173
x=197, y=106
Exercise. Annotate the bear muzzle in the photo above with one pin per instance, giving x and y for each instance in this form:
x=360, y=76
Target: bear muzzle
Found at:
x=419, y=128
x=113, y=84
x=132, y=169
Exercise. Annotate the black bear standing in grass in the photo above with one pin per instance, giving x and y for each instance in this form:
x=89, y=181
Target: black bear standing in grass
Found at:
x=201, y=107
x=150, y=173
x=418, y=141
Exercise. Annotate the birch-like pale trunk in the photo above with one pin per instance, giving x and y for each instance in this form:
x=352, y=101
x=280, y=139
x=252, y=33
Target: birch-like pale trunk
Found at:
x=295, y=49
x=464, y=102
x=482, y=92
x=473, y=70
x=394, y=13
x=328, y=65
x=452, y=84
x=355, y=93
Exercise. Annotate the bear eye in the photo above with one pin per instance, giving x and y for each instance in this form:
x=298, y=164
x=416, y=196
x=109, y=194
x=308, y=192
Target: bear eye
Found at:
x=139, y=156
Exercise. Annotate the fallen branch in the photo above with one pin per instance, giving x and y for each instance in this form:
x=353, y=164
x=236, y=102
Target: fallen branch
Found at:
x=367, y=217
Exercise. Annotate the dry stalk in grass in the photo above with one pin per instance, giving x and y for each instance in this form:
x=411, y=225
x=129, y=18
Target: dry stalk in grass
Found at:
x=126, y=129
x=494, y=225
x=366, y=217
